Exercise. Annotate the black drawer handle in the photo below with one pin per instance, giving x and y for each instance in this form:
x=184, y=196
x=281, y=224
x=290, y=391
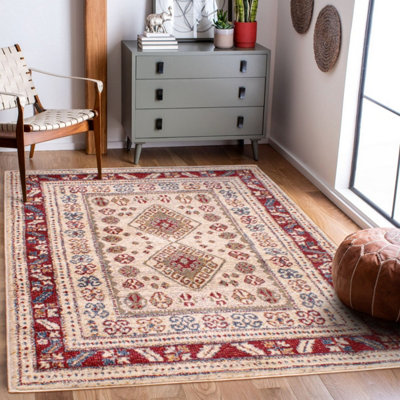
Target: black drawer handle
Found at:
x=242, y=92
x=243, y=66
x=159, y=124
x=240, y=122
x=159, y=94
x=160, y=67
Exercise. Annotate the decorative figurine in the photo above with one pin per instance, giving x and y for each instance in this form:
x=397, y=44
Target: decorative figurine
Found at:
x=155, y=22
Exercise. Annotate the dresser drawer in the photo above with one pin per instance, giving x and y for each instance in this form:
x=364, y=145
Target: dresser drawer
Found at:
x=196, y=66
x=194, y=93
x=187, y=93
x=203, y=122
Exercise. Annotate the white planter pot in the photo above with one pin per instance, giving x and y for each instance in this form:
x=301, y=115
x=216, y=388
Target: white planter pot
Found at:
x=223, y=38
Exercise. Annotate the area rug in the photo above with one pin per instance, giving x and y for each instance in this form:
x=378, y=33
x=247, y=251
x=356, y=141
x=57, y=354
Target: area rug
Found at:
x=166, y=275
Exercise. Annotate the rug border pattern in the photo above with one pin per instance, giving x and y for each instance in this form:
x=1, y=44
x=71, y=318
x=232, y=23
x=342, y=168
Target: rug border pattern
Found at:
x=138, y=375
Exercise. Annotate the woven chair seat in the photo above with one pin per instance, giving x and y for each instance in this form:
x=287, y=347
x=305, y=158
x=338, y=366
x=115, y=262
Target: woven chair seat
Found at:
x=51, y=119
x=17, y=90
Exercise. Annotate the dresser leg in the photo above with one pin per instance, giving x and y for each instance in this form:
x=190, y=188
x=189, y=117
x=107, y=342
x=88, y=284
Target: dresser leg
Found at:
x=254, y=144
x=138, y=150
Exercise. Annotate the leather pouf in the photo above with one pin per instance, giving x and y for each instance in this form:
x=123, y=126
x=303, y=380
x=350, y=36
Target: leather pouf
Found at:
x=366, y=272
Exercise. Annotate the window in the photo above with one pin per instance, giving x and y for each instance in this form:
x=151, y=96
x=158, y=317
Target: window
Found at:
x=376, y=162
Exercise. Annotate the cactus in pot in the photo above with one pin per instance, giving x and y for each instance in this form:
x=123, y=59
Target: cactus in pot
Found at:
x=246, y=10
x=223, y=32
x=222, y=20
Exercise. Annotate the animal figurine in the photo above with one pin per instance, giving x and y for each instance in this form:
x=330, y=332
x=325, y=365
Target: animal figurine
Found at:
x=155, y=22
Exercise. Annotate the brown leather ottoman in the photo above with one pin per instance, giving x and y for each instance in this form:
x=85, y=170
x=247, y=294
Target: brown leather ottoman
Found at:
x=366, y=272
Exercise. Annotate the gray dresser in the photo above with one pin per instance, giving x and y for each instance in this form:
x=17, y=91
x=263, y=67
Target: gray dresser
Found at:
x=194, y=93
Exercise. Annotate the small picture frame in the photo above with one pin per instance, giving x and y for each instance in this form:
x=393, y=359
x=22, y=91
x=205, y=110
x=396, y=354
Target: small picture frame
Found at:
x=192, y=20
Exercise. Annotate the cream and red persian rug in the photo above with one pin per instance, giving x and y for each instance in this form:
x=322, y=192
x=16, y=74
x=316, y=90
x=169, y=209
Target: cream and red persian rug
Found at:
x=162, y=275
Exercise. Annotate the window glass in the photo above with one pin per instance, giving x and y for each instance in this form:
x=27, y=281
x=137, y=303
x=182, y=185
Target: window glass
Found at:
x=376, y=164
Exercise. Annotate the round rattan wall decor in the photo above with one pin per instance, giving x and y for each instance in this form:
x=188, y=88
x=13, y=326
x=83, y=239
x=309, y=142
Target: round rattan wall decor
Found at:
x=327, y=38
x=301, y=12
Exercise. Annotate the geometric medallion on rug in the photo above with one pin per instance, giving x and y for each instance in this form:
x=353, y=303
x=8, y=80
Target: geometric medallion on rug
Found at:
x=166, y=275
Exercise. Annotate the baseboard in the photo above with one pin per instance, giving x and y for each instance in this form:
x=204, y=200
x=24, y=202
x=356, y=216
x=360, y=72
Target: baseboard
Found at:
x=342, y=199
x=121, y=144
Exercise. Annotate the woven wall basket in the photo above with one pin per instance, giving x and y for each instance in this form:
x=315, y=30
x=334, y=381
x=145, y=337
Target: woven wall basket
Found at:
x=327, y=38
x=301, y=11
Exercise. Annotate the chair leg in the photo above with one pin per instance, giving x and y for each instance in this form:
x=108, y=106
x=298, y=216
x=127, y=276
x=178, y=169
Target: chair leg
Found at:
x=97, y=140
x=21, y=163
x=32, y=151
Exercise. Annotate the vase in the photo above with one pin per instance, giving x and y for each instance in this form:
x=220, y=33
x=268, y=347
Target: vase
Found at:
x=245, y=34
x=223, y=38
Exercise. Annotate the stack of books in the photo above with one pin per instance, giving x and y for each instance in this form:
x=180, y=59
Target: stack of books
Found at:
x=157, y=41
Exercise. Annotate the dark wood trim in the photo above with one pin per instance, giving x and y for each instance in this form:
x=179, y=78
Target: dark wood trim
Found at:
x=96, y=63
x=44, y=136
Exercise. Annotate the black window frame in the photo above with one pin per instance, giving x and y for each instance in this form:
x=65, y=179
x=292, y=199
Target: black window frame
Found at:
x=361, y=97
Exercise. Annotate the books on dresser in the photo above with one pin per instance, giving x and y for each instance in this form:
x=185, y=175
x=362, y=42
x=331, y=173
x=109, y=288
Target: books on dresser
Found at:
x=155, y=34
x=157, y=41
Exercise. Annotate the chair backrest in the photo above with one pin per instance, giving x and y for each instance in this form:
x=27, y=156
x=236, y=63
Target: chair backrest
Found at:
x=15, y=77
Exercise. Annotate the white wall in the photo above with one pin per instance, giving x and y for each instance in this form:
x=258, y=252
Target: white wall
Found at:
x=51, y=35
x=307, y=103
x=125, y=21
x=267, y=17
x=314, y=113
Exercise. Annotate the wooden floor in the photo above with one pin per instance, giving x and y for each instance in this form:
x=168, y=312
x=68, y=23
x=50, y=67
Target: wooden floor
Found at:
x=382, y=384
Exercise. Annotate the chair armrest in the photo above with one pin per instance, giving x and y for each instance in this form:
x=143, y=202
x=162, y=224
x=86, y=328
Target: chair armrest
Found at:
x=19, y=96
x=98, y=82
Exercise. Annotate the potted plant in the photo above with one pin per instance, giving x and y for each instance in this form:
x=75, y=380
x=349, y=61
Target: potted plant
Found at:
x=223, y=31
x=246, y=24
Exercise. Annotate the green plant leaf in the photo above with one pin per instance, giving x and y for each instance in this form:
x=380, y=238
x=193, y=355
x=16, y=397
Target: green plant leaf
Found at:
x=222, y=20
x=246, y=10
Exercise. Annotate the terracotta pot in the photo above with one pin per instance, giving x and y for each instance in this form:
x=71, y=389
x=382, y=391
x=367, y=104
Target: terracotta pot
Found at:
x=223, y=38
x=245, y=34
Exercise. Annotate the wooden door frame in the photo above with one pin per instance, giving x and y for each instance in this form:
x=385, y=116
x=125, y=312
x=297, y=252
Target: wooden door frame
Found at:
x=96, y=63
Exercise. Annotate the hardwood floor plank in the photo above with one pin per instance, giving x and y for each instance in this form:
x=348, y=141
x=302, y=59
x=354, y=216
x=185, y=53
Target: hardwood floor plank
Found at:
x=97, y=394
x=202, y=391
x=346, y=386
x=134, y=393
x=156, y=392
x=166, y=392
x=239, y=390
x=309, y=388
x=381, y=385
x=278, y=393
x=68, y=395
x=4, y=395
x=275, y=388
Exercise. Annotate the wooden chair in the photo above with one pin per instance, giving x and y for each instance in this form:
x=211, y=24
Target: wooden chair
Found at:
x=17, y=90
